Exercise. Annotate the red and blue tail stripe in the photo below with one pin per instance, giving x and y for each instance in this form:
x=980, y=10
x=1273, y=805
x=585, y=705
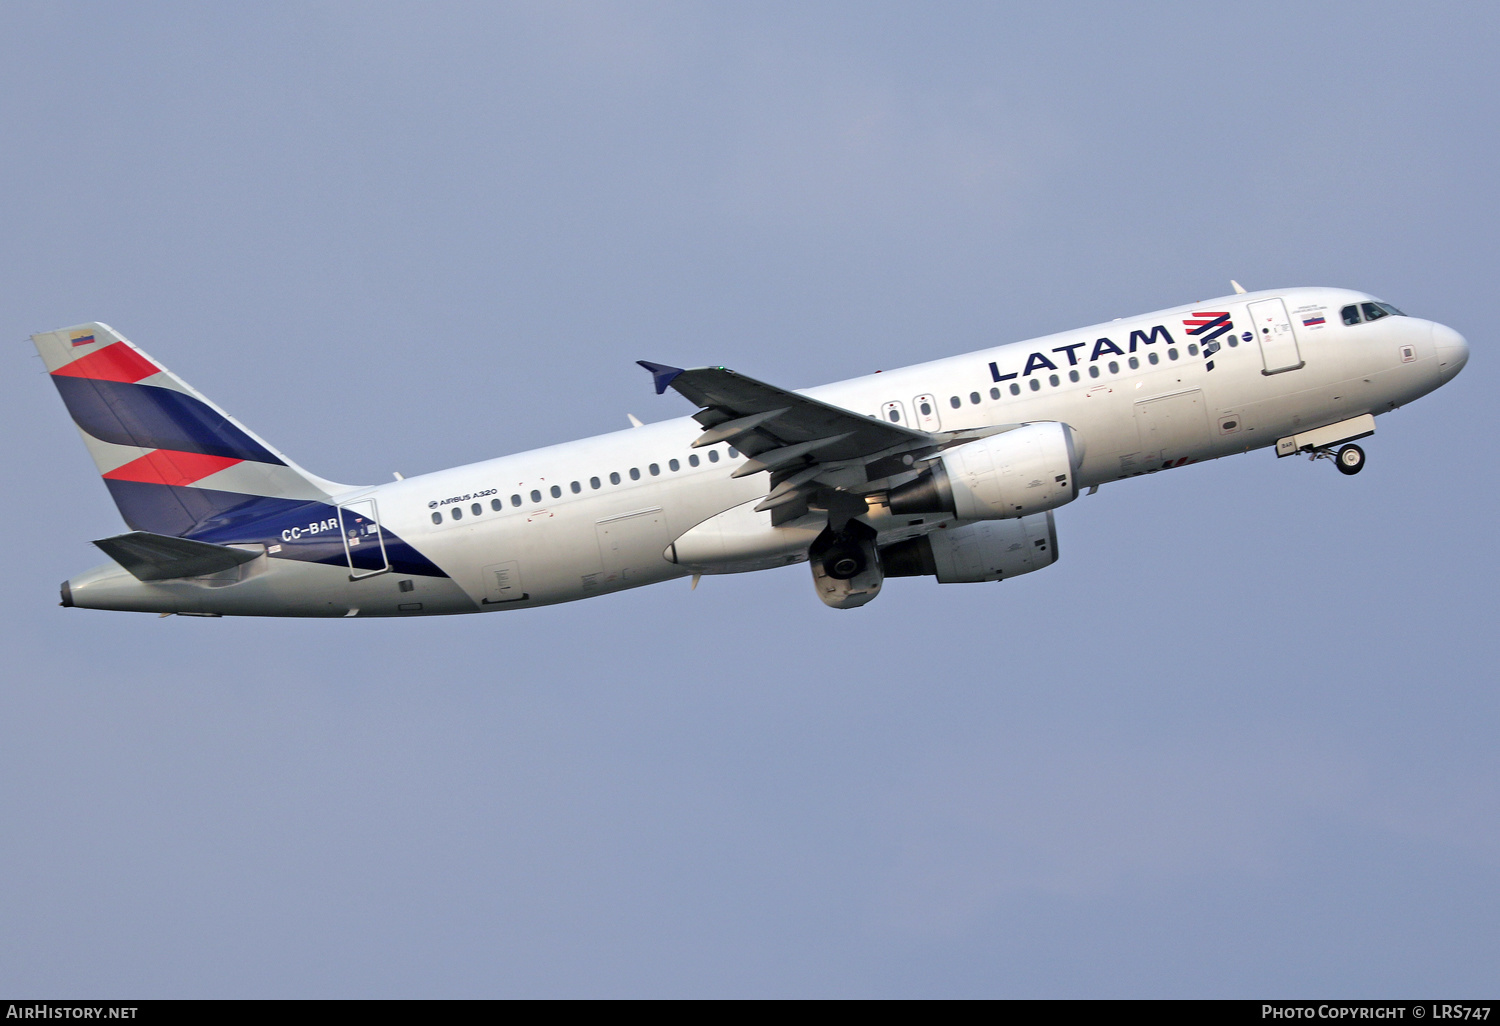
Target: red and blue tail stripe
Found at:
x=177, y=465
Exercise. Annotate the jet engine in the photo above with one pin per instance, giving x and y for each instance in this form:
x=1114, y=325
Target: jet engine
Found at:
x=984, y=550
x=1030, y=469
x=846, y=566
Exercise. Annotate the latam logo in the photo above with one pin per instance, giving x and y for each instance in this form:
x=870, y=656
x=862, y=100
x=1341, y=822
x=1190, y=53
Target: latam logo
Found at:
x=1103, y=347
x=1208, y=326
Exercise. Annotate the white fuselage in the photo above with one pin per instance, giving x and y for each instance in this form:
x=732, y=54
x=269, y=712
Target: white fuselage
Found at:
x=552, y=524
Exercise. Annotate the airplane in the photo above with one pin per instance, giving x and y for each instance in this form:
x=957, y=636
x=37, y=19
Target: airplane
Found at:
x=950, y=469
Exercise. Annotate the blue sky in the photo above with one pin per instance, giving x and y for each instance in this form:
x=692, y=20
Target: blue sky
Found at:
x=1238, y=741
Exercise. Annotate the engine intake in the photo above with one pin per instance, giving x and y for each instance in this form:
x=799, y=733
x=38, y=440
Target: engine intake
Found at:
x=1029, y=470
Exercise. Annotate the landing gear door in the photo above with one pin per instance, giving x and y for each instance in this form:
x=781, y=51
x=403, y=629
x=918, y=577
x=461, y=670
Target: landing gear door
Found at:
x=364, y=544
x=1273, y=330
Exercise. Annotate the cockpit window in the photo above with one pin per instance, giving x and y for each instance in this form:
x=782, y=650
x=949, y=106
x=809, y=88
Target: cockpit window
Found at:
x=1373, y=312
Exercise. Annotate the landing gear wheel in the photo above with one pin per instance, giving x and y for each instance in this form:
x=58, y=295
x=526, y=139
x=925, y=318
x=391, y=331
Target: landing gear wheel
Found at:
x=1350, y=460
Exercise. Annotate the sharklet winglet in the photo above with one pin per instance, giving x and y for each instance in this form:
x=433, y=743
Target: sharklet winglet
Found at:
x=661, y=374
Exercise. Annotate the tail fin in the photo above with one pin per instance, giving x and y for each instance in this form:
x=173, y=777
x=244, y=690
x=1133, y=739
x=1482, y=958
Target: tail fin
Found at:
x=171, y=459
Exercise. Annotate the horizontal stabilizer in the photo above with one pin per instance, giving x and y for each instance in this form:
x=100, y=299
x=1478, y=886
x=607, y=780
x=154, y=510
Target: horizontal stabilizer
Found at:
x=159, y=557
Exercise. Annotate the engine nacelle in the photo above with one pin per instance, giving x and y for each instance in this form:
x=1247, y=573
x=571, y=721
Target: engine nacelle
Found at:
x=985, y=550
x=1030, y=469
x=846, y=567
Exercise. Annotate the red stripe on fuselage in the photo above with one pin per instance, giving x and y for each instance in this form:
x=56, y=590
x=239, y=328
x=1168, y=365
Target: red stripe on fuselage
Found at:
x=116, y=362
x=171, y=468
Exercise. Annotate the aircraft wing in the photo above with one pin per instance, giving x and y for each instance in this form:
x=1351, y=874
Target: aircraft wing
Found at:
x=819, y=456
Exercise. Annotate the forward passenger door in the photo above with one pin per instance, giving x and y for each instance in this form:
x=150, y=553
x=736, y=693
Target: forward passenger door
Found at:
x=1278, y=342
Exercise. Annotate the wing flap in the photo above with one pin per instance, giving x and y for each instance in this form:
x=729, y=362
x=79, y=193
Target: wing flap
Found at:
x=733, y=405
x=815, y=453
x=819, y=456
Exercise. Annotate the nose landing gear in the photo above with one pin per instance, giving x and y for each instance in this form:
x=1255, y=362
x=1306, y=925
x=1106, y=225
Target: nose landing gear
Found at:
x=1350, y=459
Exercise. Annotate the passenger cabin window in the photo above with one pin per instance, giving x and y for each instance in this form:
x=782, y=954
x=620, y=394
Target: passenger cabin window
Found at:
x=496, y=505
x=1093, y=371
x=1015, y=389
x=556, y=492
x=635, y=473
x=476, y=509
x=1053, y=380
x=593, y=482
x=673, y=466
x=713, y=455
x=1036, y=386
x=974, y=398
x=536, y=496
x=955, y=402
x=614, y=477
x=437, y=518
x=515, y=500
x=994, y=393
x=693, y=460
x=576, y=487
x=655, y=470
x=734, y=453
x=456, y=513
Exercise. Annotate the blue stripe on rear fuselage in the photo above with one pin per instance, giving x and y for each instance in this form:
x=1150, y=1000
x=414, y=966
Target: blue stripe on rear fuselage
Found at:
x=124, y=413
x=232, y=518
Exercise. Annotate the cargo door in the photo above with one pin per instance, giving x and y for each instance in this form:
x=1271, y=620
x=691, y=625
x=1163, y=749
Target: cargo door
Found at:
x=1273, y=330
x=1174, y=429
x=632, y=543
x=502, y=583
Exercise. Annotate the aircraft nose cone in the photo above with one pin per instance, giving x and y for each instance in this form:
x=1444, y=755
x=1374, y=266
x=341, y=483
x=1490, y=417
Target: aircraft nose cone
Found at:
x=1452, y=350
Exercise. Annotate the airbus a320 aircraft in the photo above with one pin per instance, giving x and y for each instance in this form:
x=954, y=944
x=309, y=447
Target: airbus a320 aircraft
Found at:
x=949, y=469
